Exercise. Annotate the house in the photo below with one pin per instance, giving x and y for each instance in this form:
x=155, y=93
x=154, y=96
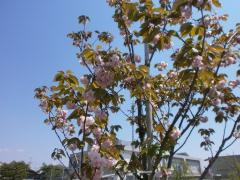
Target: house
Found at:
x=227, y=167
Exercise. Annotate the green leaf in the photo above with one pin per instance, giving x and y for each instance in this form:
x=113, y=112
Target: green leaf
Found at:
x=216, y=3
x=144, y=69
x=76, y=141
x=75, y=114
x=105, y=37
x=186, y=29
x=238, y=72
x=216, y=49
x=134, y=163
x=219, y=118
x=83, y=19
x=89, y=140
x=88, y=54
x=206, y=76
x=73, y=80
x=58, y=76
x=178, y=3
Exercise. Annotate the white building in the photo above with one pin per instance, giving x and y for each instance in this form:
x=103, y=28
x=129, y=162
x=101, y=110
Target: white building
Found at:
x=193, y=164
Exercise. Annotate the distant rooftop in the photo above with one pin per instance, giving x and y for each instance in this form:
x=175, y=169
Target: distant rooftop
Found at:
x=183, y=154
x=225, y=165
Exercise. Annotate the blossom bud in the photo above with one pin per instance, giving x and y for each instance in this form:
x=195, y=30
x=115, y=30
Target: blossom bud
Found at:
x=216, y=101
x=203, y=119
x=137, y=58
x=162, y=65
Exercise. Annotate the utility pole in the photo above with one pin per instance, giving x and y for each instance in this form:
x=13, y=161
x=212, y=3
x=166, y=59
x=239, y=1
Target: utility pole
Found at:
x=132, y=123
x=149, y=117
x=63, y=173
x=51, y=174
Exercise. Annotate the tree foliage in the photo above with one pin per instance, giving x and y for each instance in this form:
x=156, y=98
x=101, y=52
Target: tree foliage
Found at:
x=172, y=98
x=51, y=171
x=14, y=170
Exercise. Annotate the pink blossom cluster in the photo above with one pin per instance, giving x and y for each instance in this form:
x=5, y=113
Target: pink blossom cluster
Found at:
x=123, y=32
x=163, y=172
x=101, y=115
x=147, y=86
x=136, y=58
x=126, y=20
x=44, y=105
x=99, y=162
x=112, y=62
x=99, y=60
x=216, y=94
x=102, y=70
x=87, y=121
x=129, y=80
x=229, y=60
x=186, y=11
x=104, y=77
x=212, y=20
x=234, y=83
x=172, y=74
x=107, y=144
x=89, y=96
x=161, y=66
x=175, y=134
x=197, y=62
x=216, y=101
x=84, y=80
x=207, y=20
x=97, y=132
x=111, y=2
x=221, y=84
x=70, y=105
x=61, y=118
x=200, y=3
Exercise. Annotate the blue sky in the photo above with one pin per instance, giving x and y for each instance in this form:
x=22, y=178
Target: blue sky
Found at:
x=33, y=47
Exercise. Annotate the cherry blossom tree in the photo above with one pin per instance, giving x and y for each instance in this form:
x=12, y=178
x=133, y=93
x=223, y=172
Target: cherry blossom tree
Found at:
x=197, y=83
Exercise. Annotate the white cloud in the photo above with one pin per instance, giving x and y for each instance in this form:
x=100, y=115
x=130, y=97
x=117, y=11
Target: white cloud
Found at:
x=20, y=150
x=7, y=150
x=4, y=150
